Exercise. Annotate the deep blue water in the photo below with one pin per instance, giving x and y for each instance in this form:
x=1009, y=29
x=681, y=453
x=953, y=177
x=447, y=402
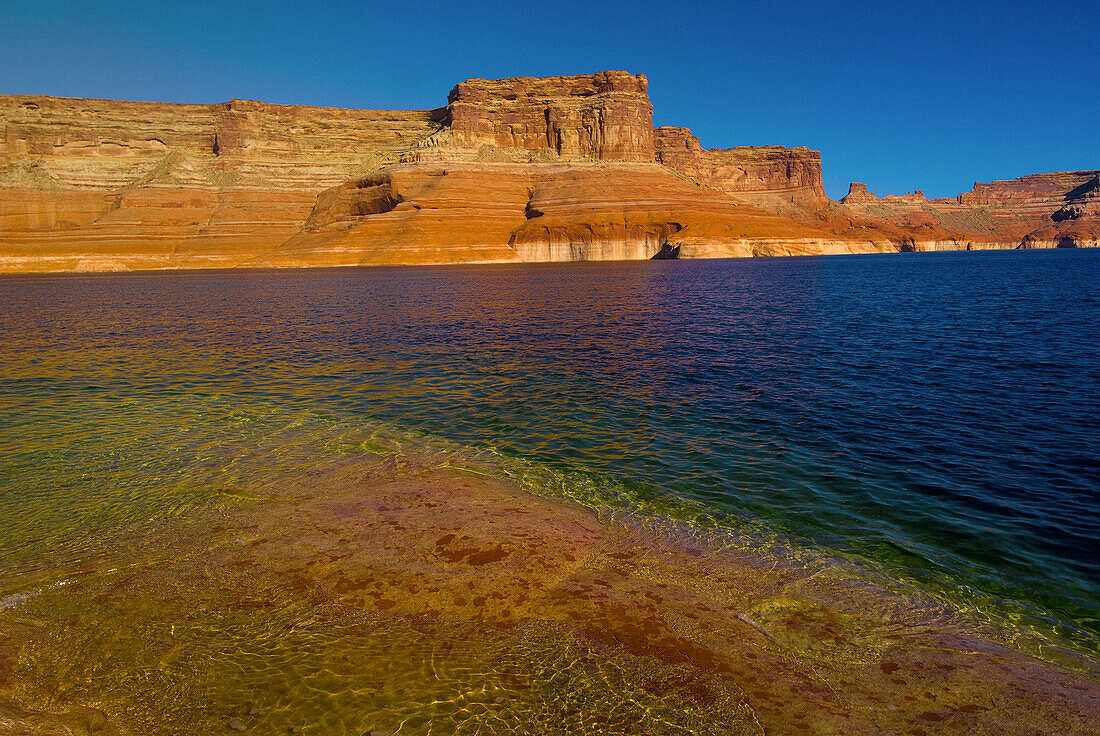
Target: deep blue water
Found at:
x=934, y=412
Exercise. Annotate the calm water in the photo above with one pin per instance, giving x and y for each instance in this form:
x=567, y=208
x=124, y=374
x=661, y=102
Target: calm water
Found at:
x=934, y=413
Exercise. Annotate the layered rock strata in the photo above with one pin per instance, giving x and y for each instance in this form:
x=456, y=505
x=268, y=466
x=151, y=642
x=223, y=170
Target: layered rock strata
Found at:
x=769, y=176
x=508, y=212
x=522, y=169
x=1056, y=210
x=605, y=116
x=106, y=185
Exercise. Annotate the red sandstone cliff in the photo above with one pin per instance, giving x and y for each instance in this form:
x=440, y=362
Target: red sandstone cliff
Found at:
x=770, y=176
x=523, y=169
x=103, y=185
x=1056, y=210
x=605, y=116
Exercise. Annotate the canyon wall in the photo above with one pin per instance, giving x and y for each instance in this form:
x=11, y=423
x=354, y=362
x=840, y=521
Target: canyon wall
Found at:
x=769, y=176
x=1056, y=210
x=105, y=185
x=605, y=116
x=522, y=169
x=530, y=212
x=106, y=145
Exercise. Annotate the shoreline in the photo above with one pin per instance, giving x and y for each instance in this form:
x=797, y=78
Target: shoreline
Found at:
x=13, y=265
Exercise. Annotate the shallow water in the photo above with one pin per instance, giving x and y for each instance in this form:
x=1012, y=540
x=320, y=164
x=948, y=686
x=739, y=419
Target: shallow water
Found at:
x=931, y=415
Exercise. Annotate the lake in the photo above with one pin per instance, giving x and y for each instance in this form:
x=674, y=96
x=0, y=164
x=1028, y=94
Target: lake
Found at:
x=929, y=420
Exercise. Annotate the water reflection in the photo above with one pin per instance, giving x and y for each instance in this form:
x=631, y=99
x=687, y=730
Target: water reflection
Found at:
x=934, y=412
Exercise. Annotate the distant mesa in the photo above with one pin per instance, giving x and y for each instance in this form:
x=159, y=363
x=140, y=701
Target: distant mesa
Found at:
x=509, y=170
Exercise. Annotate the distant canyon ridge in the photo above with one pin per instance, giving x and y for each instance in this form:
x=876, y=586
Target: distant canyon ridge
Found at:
x=511, y=170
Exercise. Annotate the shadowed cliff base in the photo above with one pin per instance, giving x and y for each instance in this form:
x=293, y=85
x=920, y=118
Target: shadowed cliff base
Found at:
x=522, y=169
x=407, y=595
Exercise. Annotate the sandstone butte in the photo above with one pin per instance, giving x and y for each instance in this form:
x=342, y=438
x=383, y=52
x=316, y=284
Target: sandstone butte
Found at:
x=510, y=170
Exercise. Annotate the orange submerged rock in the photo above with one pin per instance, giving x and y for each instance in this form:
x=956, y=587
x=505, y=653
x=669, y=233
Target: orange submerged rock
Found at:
x=402, y=596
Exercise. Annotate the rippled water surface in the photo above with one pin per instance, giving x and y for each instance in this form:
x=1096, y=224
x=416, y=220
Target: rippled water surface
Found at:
x=934, y=413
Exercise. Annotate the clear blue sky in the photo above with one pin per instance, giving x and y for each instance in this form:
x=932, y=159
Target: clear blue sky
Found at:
x=913, y=95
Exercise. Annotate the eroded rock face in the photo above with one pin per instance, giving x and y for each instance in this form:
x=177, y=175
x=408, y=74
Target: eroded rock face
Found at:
x=411, y=214
x=501, y=212
x=106, y=185
x=768, y=176
x=1080, y=202
x=857, y=193
x=605, y=116
x=107, y=144
x=554, y=168
x=1027, y=190
x=1056, y=210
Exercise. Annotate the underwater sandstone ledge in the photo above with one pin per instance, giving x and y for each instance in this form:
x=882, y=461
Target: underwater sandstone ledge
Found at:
x=443, y=597
x=510, y=170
